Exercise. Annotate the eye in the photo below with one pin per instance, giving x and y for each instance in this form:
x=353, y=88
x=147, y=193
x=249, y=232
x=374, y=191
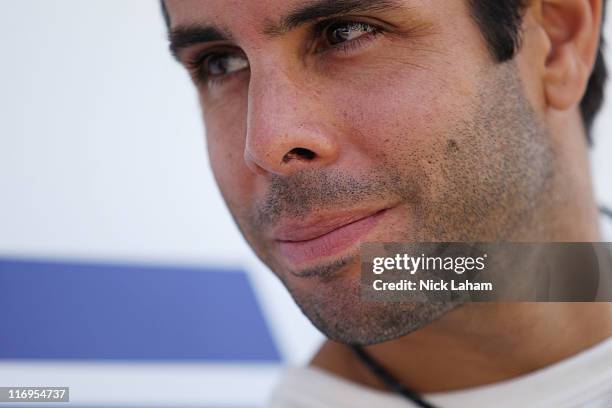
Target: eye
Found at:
x=212, y=67
x=345, y=31
x=223, y=63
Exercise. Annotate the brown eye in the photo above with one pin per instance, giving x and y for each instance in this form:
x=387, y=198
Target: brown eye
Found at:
x=343, y=31
x=223, y=64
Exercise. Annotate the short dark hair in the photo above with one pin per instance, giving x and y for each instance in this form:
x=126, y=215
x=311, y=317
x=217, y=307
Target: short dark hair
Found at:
x=500, y=23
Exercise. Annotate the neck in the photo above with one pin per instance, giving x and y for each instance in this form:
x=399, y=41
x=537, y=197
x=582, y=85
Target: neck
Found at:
x=478, y=344
x=568, y=211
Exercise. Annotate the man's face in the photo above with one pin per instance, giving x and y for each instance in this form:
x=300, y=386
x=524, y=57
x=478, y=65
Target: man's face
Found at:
x=332, y=123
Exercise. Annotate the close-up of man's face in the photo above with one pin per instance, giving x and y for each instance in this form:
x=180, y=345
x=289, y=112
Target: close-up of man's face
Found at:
x=334, y=123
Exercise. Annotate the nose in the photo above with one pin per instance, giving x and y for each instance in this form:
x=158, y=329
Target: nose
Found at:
x=287, y=130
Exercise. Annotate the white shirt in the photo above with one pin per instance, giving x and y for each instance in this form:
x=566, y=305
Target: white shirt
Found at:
x=583, y=380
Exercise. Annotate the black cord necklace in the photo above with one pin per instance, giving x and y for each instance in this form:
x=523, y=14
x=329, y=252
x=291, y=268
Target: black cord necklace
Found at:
x=390, y=381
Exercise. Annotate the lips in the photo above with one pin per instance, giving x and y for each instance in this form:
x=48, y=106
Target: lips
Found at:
x=304, y=242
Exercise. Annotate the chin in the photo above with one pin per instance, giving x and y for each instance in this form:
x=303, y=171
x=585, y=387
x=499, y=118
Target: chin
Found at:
x=334, y=306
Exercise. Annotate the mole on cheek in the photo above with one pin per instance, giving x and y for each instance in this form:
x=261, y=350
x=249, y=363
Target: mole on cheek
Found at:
x=452, y=146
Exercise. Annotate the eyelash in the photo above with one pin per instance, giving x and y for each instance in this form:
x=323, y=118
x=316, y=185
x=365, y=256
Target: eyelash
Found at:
x=320, y=30
x=195, y=64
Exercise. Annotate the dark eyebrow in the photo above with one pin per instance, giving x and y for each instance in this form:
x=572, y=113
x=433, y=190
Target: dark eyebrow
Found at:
x=185, y=36
x=326, y=8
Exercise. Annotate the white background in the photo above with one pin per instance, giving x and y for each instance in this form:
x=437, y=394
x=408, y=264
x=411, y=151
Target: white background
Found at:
x=102, y=154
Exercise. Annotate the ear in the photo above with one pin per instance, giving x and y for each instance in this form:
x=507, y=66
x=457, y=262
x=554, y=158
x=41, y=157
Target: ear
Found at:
x=573, y=30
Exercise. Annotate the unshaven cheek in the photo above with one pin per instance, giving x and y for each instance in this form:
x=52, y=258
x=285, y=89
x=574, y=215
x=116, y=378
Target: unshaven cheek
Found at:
x=402, y=116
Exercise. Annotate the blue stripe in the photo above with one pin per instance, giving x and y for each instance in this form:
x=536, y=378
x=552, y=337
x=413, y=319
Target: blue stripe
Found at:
x=85, y=311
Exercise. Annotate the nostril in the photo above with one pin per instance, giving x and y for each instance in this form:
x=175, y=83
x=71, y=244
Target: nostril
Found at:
x=299, y=153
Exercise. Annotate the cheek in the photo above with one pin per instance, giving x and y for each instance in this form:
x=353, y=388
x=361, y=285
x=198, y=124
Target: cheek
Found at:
x=225, y=139
x=410, y=93
x=407, y=116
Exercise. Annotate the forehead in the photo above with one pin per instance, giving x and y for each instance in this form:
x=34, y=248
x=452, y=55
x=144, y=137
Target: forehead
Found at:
x=270, y=15
x=228, y=13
